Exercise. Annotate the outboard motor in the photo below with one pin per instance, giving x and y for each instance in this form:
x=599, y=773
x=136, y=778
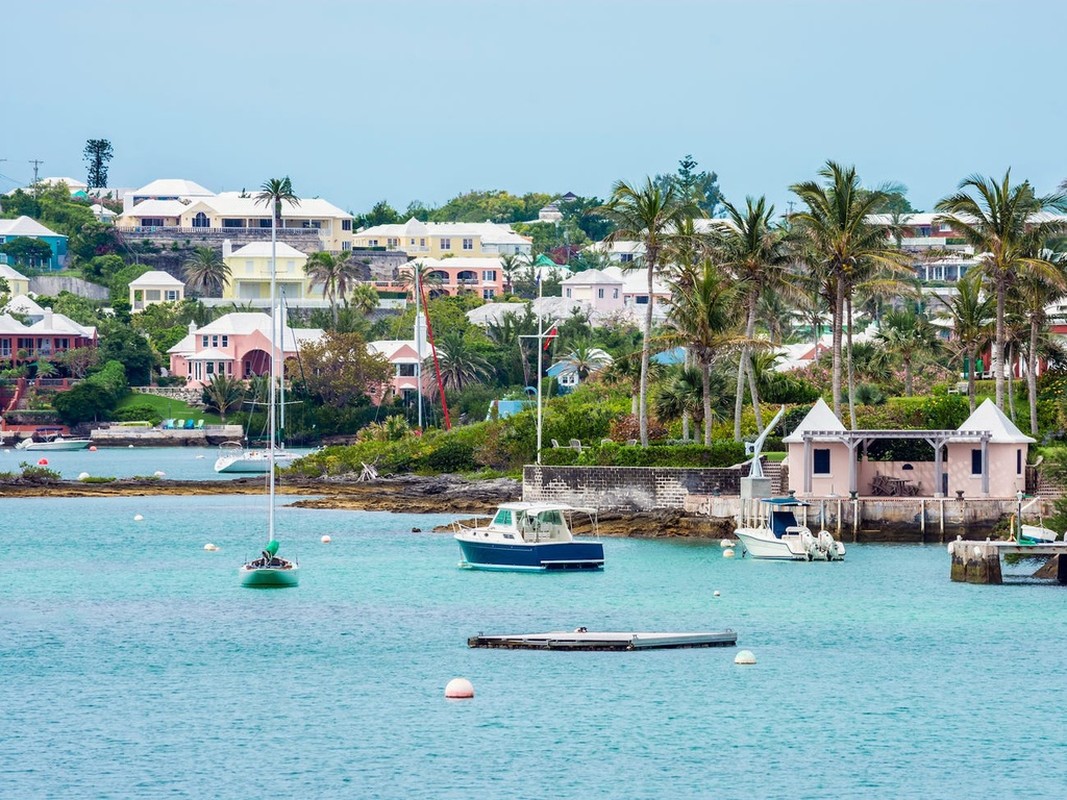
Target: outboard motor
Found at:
x=807, y=541
x=827, y=545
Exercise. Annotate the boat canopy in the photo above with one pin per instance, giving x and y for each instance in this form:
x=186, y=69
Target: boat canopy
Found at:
x=537, y=508
x=783, y=501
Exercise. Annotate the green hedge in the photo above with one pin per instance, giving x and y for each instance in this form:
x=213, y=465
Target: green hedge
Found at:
x=723, y=453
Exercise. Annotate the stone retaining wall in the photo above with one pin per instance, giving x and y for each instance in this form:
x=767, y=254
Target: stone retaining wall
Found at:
x=189, y=396
x=627, y=488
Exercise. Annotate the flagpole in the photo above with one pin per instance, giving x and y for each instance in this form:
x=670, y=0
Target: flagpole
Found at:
x=540, y=359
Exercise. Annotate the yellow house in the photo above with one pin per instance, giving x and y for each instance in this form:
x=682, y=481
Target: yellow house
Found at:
x=445, y=239
x=155, y=287
x=250, y=272
x=17, y=283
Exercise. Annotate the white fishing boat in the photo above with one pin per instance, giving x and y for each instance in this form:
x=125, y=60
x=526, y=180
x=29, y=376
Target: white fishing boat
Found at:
x=529, y=536
x=270, y=571
x=51, y=440
x=768, y=528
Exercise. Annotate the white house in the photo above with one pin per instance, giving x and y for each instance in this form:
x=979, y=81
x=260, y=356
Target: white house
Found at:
x=155, y=287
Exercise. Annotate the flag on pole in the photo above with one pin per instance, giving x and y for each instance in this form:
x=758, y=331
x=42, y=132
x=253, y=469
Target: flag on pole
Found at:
x=552, y=334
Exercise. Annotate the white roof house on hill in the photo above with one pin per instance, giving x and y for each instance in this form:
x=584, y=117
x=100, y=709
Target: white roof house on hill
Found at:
x=445, y=239
x=155, y=287
x=984, y=457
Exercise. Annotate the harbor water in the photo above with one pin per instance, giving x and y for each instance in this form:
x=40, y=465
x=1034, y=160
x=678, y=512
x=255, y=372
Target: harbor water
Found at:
x=177, y=463
x=133, y=665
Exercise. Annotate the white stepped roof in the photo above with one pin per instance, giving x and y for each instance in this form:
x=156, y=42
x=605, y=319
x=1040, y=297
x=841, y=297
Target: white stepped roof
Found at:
x=246, y=322
x=820, y=418
x=9, y=324
x=262, y=250
x=390, y=347
x=590, y=276
x=24, y=305
x=173, y=187
x=156, y=277
x=24, y=226
x=489, y=232
x=237, y=205
x=61, y=323
x=11, y=274
x=157, y=208
x=987, y=417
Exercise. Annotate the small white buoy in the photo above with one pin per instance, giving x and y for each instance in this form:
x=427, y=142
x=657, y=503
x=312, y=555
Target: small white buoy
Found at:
x=137, y=518
x=326, y=539
x=725, y=543
x=92, y=449
x=716, y=593
x=728, y=552
x=160, y=473
x=745, y=657
x=211, y=547
x=199, y=456
x=459, y=689
x=83, y=476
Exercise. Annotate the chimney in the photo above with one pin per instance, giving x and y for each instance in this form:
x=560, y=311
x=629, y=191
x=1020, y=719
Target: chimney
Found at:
x=48, y=318
x=227, y=248
x=192, y=327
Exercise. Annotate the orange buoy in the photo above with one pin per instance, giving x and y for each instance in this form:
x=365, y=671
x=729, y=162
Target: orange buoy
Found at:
x=459, y=689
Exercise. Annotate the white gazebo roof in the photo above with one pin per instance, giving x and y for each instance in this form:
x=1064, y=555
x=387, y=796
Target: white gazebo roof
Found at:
x=820, y=418
x=156, y=277
x=987, y=417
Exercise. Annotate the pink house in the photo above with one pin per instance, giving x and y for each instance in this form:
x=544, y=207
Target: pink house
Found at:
x=236, y=344
x=601, y=290
x=402, y=355
x=984, y=457
x=483, y=276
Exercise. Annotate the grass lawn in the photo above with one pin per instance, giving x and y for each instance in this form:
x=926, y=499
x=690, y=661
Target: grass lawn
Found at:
x=168, y=408
x=775, y=456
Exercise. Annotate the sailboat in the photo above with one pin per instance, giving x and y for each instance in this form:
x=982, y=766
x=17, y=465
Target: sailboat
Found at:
x=269, y=570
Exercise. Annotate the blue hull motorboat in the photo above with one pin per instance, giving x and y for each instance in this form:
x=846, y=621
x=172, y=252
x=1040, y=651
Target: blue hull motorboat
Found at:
x=529, y=536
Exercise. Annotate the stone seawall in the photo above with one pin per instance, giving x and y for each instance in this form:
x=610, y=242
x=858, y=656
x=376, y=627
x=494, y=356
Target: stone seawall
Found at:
x=627, y=488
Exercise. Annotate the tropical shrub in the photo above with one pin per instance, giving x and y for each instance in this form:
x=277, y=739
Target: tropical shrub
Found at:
x=451, y=456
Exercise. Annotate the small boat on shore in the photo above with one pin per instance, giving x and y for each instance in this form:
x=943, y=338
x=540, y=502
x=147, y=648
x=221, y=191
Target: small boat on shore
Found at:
x=768, y=528
x=529, y=536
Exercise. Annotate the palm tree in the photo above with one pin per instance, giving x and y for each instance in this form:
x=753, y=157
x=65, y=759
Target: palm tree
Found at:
x=1034, y=293
x=908, y=336
x=364, y=298
x=753, y=252
x=585, y=360
x=461, y=365
x=224, y=392
x=205, y=271
x=336, y=273
x=427, y=277
x=972, y=315
x=680, y=397
x=836, y=233
x=647, y=214
x=510, y=264
x=702, y=318
x=1000, y=221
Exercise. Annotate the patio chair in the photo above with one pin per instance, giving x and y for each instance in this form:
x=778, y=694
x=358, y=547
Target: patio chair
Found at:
x=167, y=424
x=190, y=424
x=554, y=442
x=576, y=444
x=200, y=424
x=179, y=424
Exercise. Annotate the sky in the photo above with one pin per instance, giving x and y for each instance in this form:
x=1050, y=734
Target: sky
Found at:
x=422, y=100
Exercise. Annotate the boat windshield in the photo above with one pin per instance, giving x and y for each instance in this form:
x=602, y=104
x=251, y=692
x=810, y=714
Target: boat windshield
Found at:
x=503, y=517
x=780, y=520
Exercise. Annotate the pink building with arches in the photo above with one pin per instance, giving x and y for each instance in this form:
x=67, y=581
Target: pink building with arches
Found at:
x=236, y=344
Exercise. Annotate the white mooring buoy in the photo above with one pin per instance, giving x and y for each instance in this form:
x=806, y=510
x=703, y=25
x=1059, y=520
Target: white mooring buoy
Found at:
x=211, y=547
x=326, y=539
x=716, y=593
x=725, y=543
x=83, y=476
x=728, y=553
x=160, y=473
x=137, y=518
x=745, y=657
x=459, y=689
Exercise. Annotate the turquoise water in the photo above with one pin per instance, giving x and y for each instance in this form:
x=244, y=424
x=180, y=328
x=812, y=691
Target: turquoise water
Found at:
x=178, y=463
x=132, y=665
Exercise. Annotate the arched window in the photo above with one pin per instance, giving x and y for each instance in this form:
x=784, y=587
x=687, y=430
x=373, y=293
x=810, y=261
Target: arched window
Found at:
x=201, y=220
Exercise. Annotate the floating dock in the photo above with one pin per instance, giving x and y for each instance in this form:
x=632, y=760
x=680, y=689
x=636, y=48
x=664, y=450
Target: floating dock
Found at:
x=979, y=562
x=582, y=639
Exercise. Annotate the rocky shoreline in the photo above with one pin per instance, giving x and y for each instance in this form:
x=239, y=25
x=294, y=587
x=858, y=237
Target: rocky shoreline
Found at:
x=411, y=494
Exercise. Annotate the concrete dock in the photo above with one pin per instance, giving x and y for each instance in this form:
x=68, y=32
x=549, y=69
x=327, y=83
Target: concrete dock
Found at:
x=979, y=562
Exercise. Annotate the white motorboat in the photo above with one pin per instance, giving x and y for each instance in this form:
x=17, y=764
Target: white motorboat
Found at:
x=233, y=457
x=768, y=528
x=529, y=536
x=1036, y=534
x=54, y=441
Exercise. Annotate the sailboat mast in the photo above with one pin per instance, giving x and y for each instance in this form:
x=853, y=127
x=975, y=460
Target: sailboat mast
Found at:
x=540, y=358
x=283, y=323
x=273, y=361
x=418, y=343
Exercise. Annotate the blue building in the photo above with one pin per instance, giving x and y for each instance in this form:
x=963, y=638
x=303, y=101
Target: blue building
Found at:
x=11, y=229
